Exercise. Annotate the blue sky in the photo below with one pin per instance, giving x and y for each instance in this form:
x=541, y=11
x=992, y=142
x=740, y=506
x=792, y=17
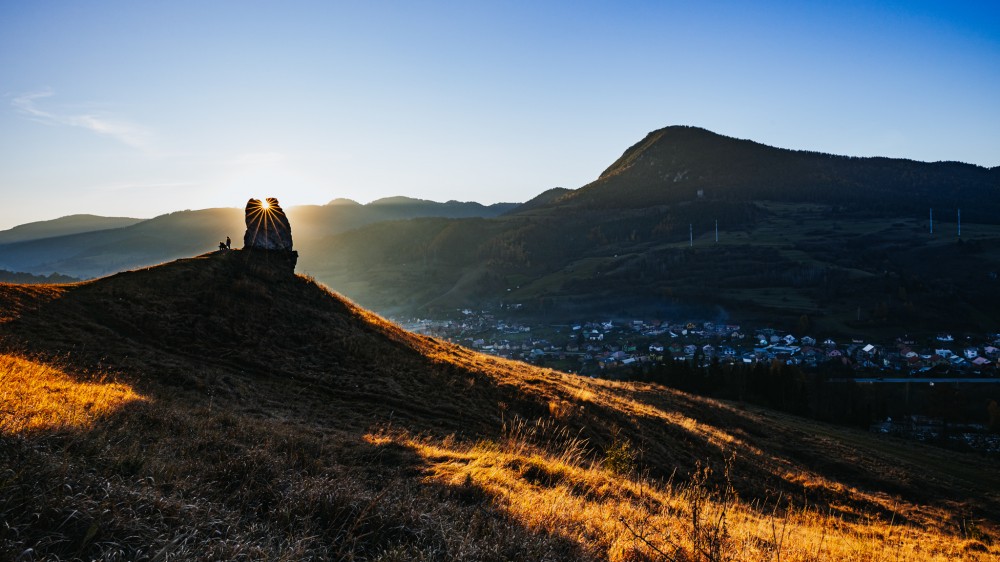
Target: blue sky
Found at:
x=142, y=108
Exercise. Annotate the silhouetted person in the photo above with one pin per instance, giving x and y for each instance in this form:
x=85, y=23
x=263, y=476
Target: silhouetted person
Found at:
x=222, y=246
x=229, y=243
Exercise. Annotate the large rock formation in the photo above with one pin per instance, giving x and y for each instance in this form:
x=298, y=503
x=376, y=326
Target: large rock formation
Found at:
x=267, y=226
x=267, y=244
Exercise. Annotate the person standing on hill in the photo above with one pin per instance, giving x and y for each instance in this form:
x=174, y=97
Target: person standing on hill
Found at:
x=229, y=243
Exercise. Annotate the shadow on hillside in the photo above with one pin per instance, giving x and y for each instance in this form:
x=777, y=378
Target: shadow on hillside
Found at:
x=185, y=482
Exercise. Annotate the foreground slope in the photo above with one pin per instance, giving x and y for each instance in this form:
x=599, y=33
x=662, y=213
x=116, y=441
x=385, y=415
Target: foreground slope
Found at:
x=220, y=407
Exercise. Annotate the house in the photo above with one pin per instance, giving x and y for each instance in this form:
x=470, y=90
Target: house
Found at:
x=971, y=352
x=945, y=337
x=656, y=348
x=980, y=362
x=789, y=339
x=829, y=343
x=808, y=340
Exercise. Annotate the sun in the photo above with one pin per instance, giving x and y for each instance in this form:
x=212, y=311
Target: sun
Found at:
x=265, y=204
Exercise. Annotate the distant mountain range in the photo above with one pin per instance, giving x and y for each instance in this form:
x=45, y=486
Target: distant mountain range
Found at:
x=88, y=246
x=685, y=222
x=72, y=224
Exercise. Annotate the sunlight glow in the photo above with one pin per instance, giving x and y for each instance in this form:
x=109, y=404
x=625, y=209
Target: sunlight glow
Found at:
x=35, y=396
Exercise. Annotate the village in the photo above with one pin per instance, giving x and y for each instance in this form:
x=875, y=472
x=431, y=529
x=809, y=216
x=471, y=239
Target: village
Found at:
x=606, y=348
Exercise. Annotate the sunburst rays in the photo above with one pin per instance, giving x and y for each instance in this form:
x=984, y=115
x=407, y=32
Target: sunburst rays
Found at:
x=261, y=213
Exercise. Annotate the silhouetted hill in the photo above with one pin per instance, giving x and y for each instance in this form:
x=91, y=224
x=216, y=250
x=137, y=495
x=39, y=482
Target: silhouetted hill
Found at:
x=219, y=405
x=236, y=314
x=72, y=224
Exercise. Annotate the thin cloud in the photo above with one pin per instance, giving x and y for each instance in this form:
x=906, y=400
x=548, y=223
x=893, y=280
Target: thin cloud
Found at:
x=146, y=186
x=259, y=159
x=127, y=133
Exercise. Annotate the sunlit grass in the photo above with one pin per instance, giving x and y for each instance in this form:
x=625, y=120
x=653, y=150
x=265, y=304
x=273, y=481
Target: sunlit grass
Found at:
x=546, y=480
x=35, y=396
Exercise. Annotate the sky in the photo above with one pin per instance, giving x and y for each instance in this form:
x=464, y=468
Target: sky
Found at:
x=144, y=108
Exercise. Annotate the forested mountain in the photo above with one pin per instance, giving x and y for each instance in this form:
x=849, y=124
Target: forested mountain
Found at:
x=673, y=164
x=690, y=222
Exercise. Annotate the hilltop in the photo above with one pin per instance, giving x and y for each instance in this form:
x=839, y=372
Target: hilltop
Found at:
x=220, y=407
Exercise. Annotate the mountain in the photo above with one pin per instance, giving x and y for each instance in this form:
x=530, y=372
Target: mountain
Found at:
x=28, y=278
x=842, y=241
x=72, y=224
x=220, y=407
x=100, y=251
x=672, y=164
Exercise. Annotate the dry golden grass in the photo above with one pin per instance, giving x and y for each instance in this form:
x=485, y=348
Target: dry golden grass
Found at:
x=35, y=396
x=546, y=480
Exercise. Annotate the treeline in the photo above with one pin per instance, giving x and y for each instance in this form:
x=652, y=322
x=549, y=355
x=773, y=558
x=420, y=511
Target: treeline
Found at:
x=788, y=388
x=32, y=279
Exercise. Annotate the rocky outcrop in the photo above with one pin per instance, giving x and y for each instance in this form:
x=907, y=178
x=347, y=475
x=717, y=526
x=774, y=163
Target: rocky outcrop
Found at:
x=267, y=243
x=267, y=226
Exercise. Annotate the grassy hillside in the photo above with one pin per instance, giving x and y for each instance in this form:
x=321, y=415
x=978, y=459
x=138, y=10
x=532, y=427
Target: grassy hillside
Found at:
x=220, y=408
